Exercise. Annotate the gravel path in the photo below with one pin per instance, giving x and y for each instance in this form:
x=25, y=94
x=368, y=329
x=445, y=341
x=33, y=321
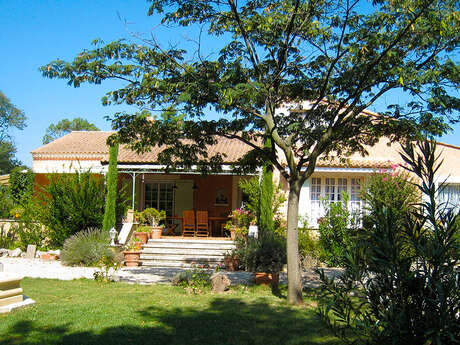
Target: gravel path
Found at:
x=37, y=268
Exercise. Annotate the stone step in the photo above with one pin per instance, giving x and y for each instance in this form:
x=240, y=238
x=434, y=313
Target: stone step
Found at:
x=189, y=243
x=184, y=251
x=181, y=257
x=176, y=264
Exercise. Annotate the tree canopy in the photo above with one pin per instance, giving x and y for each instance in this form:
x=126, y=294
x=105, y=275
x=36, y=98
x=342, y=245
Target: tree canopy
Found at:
x=65, y=126
x=7, y=157
x=10, y=117
x=302, y=72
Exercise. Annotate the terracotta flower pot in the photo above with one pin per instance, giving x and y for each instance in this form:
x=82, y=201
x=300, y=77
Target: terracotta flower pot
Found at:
x=156, y=232
x=267, y=278
x=48, y=256
x=143, y=236
x=132, y=258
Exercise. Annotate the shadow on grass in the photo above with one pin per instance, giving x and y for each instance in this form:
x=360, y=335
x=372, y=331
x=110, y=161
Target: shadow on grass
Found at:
x=225, y=321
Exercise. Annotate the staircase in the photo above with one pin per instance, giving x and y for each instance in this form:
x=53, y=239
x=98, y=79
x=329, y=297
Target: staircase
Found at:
x=184, y=252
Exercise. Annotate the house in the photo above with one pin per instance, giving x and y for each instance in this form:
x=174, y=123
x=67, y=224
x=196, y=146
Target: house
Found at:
x=148, y=184
x=219, y=193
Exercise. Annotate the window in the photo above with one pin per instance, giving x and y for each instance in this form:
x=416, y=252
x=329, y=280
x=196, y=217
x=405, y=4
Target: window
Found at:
x=159, y=195
x=449, y=194
x=355, y=194
x=331, y=191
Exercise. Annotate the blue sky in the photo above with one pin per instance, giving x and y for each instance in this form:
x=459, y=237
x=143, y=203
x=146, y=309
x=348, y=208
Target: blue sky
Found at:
x=37, y=32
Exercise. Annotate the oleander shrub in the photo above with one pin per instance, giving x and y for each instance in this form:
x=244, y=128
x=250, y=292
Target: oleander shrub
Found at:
x=88, y=248
x=389, y=294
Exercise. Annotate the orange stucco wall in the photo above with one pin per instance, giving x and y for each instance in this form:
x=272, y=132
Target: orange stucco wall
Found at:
x=205, y=195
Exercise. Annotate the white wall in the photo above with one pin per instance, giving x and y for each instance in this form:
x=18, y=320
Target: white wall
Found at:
x=66, y=166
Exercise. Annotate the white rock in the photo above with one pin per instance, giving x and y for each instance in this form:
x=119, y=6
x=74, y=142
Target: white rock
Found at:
x=55, y=252
x=15, y=253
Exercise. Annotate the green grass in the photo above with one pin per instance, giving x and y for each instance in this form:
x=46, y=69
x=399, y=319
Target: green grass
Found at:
x=87, y=312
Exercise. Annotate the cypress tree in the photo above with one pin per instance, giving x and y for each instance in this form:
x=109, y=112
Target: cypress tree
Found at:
x=266, y=194
x=112, y=180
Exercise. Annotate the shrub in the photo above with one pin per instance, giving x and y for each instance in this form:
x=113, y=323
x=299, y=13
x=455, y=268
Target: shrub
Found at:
x=265, y=254
x=71, y=203
x=309, y=247
x=21, y=185
x=6, y=202
x=389, y=295
x=196, y=280
x=88, y=248
x=394, y=189
x=337, y=231
x=7, y=238
x=29, y=232
x=252, y=191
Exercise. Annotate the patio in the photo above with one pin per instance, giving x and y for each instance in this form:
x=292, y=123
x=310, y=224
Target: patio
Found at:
x=187, y=194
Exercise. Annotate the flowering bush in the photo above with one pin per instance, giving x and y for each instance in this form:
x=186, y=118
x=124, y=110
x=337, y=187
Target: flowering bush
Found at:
x=393, y=188
x=242, y=218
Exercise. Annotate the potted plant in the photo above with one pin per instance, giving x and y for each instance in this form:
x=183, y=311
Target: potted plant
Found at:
x=131, y=254
x=142, y=233
x=231, y=261
x=153, y=217
x=238, y=226
x=268, y=259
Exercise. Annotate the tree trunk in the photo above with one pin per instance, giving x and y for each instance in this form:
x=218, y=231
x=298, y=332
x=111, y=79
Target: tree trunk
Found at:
x=294, y=272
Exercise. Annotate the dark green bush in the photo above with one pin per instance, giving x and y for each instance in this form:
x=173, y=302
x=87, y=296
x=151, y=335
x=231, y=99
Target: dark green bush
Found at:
x=264, y=254
x=71, y=203
x=389, y=295
x=88, y=248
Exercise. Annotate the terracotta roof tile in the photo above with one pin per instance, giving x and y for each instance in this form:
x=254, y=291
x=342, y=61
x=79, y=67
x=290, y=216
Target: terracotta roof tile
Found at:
x=92, y=146
x=87, y=145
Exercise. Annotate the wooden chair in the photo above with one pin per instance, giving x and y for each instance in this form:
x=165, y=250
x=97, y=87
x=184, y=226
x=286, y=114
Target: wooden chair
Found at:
x=188, y=223
x=202, y=223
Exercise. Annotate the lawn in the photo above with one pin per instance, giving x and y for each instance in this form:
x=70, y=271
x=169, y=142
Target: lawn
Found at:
x=88, y=312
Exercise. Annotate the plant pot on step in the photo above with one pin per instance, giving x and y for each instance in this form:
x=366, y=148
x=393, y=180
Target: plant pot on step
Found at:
x=156, y=232
x=132, y=258
x=143, y=236
x=267, y=278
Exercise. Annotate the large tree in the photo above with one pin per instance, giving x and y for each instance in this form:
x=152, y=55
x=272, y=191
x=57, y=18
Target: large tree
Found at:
x=65, y=126
x=303, y=71
x=7, y=157
x=10, y=117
